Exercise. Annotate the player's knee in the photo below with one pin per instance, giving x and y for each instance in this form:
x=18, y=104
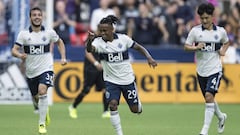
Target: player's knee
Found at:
x=42, y=89
x=103, y=90
x=209, y=97
x=134, y=109
x=113, y=105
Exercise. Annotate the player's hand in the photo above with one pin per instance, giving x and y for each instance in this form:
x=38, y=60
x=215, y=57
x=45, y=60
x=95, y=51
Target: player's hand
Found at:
x=221, y=53
x=91, y=35
x=63, y=62
x=152, y=63
x=98, y=66
x=23, y=56
x=200, y=46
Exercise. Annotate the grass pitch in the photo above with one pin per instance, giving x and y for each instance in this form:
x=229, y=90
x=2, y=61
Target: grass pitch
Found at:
x=156, y=119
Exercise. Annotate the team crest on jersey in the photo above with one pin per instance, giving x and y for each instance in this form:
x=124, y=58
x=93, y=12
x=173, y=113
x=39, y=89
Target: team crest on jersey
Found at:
x=44, y=38
x=120, y=45
x=29, y=39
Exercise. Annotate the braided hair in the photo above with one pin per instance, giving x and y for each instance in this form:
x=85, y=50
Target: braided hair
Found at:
x=110, y=19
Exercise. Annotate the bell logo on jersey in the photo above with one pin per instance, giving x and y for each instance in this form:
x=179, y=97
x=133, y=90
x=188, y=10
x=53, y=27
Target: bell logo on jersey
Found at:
x=115, y=57
x=36, y=49
x=210, y=47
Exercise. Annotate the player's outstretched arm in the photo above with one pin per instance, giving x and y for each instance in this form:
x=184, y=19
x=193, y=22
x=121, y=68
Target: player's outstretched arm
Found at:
x=62, y=50
x=91, y=58
x=142, y=50
x=193, y=47
x=90, y=38
x=223, y=49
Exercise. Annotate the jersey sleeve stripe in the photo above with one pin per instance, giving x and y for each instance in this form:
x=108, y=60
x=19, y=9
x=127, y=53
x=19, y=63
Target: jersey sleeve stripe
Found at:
x=18, y=44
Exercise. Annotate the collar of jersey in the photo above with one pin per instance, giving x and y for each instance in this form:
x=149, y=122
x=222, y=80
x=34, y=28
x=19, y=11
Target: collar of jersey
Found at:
x=115, y=36
x=31, y=30
x=214, y=27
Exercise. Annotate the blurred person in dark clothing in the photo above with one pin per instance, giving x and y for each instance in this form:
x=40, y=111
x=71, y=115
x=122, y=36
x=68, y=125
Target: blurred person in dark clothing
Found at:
x=63, y=23
x=184, y=20
x=168, y=26
x=145, y=29
x=93, y=75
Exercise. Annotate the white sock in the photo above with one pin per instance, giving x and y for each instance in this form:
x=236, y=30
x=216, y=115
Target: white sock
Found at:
x=209, y=112
x=116, y=122
x=139, y=107
x=43, y=106
x=139, y=101
x=218, y=112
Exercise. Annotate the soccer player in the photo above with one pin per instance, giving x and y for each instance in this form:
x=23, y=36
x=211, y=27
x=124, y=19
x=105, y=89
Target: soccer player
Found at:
x=117, y=70
x=34, y=100
x=209, y=42
x=39, y=61
x=93, y=74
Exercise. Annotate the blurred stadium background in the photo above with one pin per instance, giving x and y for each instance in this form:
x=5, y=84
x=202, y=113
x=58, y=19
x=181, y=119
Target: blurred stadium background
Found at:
x=173, y=81
x=169, y=93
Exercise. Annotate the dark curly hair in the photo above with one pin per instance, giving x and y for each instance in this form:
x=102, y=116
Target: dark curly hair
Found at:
x=205, y=8
x=35, y=8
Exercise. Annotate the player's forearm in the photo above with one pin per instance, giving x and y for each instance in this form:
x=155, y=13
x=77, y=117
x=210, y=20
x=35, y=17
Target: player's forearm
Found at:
x=190, y=48
x=223, y=49
x=146, y=53
x=61, y=49
x=89, y=45
x=143, y=51
x=16, y=53
x=90, y=57
x=62, y=52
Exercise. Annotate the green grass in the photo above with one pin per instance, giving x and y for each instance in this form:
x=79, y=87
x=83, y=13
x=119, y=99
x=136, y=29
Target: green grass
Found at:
x=156, y=119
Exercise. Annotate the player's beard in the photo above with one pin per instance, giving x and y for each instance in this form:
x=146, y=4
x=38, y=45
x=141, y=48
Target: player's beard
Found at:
x=36, y=25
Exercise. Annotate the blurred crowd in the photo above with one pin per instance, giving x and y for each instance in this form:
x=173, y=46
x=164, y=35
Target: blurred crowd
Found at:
x=163, y=23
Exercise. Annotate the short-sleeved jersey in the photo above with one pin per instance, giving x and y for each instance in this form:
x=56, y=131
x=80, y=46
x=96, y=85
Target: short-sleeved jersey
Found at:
x=115, y=59
x=208, y=59
x=37, y=47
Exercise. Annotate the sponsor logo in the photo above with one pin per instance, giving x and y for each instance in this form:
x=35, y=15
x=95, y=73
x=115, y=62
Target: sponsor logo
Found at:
x=177, y=84
x=36, y=49
x=209, y=47
x=115, y=57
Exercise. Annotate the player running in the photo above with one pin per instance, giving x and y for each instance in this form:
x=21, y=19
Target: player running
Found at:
x=117, y=70
x=39, y=61
x=210, y=42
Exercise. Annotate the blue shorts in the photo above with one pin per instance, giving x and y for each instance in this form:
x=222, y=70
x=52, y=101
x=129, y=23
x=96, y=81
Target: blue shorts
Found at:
x=210, y=83
x=45, y=78
x=130, y=93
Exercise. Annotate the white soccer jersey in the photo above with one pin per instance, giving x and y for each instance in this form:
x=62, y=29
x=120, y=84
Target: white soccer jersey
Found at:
x=37, y=47
x=208, y=59
x=114, y=59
